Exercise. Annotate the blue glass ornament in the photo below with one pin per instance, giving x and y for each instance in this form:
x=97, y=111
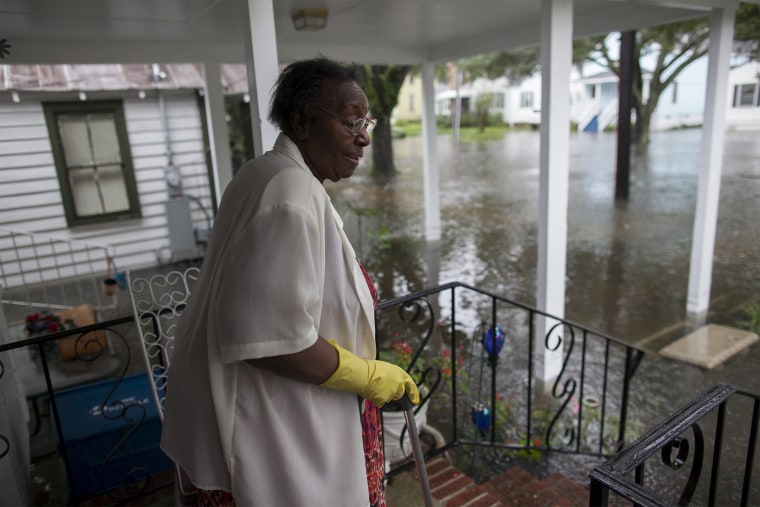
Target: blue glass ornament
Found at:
x=493, y=341
x=481, y=417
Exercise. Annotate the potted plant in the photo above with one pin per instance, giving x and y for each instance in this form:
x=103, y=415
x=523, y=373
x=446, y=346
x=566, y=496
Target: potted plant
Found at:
x=44, y=323
x=86, y=346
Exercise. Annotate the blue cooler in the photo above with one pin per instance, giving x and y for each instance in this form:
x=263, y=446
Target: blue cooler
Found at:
x=99, y=461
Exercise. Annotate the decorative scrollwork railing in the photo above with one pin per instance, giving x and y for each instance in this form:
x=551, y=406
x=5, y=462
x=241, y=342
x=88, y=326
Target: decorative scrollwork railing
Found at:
x=101, y=357
x=485, y=351
x=158, y=301
x=626, y=473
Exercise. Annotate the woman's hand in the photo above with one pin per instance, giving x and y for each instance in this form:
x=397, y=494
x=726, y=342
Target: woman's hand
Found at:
x=378, y=381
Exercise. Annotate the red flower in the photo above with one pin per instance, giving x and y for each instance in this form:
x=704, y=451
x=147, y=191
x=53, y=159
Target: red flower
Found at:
x=402, y=348
x=43, y=322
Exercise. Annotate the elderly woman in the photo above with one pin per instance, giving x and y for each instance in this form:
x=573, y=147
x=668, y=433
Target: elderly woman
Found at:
x=278, y=339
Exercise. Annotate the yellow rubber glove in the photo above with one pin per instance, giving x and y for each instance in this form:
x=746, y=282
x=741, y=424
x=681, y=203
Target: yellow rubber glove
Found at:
x=378, y=381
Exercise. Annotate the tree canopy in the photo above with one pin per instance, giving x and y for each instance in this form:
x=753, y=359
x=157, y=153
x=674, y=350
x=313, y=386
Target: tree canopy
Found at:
x=747, y=30
x=671, y=48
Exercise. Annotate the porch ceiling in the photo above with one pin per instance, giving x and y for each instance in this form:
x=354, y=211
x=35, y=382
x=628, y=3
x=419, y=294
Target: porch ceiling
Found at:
x=367, y=31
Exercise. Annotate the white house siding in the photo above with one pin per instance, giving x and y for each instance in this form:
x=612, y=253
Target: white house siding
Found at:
x=681, y=104
x=30, y=198
x=744, y=117
x=516, y=111
x=512, y=108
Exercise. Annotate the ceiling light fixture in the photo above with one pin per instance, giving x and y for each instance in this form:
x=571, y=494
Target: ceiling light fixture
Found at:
x=309, y=20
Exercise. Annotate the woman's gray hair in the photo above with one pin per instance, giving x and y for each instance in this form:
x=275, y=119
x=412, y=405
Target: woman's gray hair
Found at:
x=299, y=88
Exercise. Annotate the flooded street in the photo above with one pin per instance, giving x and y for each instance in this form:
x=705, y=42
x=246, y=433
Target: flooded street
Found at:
x=627, y=263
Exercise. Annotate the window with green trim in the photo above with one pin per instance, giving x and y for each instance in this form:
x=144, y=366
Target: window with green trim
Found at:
x=92, y=157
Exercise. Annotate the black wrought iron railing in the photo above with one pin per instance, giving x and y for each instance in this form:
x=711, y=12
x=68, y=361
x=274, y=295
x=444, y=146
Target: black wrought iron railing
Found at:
x=99, y=364
x=495, y=373
x=697, y=456
x=502, y=374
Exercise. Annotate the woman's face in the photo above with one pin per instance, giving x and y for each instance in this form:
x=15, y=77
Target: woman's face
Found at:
x=326, y=143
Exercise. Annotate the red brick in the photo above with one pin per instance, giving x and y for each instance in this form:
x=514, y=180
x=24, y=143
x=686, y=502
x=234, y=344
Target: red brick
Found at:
x=512, y=479
x=534, y=495
x=438, y=464
x=576, y=493
x=486, y=501
x=517, y=487
x=443, y=477
x=452, y=487
x=464, y=496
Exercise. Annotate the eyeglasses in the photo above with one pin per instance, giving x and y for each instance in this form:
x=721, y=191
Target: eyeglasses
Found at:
x=354, y=126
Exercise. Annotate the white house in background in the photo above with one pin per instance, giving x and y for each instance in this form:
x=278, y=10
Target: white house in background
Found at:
x=744, y=97
x=680, y=105
x=593, y=101
x=113, y=155
x=594, y=104
x=518, y=104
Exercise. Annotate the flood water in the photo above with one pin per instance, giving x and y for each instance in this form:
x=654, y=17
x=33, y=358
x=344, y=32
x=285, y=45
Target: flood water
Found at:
x=627, y=263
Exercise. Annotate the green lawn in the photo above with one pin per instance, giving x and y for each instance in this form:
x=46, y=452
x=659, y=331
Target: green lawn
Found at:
x=465, y=133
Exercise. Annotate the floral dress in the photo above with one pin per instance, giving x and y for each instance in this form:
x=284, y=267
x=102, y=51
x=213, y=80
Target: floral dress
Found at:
x=372, y=434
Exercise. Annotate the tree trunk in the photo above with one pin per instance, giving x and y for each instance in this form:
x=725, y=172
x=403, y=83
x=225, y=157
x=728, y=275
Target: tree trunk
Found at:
x=382, y=149
x=382, y=84
x=638, y=87
x=646, y=111
x=642, y=123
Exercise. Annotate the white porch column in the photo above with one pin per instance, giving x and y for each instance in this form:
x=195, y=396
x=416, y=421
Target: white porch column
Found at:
x=430, y=156
x=216, y=120
x=554, y=162
x=261, y=63
x=713, y=134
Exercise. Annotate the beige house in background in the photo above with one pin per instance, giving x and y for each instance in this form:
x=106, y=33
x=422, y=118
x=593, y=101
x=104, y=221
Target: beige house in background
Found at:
x=409, y=106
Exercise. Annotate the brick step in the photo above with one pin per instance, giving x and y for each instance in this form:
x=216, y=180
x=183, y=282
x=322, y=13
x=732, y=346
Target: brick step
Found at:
x=450, y=487
x=518, y=487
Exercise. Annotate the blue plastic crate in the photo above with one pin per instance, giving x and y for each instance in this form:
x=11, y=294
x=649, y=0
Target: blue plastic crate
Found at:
x=98, y=462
